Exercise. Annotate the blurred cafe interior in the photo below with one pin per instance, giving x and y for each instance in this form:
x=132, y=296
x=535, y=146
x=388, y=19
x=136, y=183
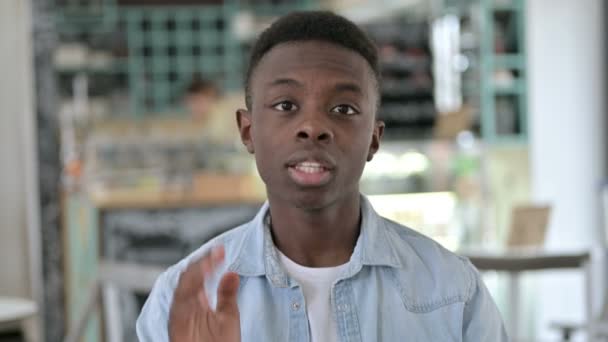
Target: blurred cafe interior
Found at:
x=119, y=150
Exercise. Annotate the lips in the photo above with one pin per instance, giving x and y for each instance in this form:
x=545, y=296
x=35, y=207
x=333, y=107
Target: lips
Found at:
x=310, y=171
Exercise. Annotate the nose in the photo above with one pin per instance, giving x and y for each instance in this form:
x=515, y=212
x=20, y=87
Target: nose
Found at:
x=314, y=129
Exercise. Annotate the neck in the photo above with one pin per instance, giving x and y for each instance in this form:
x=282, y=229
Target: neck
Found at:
x=316, y=237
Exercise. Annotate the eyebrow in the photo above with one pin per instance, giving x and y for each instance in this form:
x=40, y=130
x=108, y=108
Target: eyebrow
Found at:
x=285, y=81
x=340, y=87
x=348, y=87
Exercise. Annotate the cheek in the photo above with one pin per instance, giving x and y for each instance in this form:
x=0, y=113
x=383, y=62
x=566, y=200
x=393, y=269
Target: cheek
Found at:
x=363, y=141
x=355, y=156
x=260, y=165
x=266, y=156
x=361, y=148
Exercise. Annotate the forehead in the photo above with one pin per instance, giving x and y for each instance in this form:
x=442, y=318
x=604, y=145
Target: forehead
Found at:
x=314, y=58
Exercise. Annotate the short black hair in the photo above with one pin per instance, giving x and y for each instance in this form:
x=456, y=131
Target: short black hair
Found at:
x=312, y=25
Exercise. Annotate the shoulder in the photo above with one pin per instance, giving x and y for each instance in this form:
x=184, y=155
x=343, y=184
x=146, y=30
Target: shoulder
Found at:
x=430, y=276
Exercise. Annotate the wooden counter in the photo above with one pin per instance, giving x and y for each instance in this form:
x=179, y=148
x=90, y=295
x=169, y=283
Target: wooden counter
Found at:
x=206, y=190
x=121, y=199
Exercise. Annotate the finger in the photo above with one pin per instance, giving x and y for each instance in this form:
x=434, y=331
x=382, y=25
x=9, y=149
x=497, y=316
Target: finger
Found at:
x=217, y=255
x=214, y=259
x=227, y=294
x=202, y=299
x=192, y=279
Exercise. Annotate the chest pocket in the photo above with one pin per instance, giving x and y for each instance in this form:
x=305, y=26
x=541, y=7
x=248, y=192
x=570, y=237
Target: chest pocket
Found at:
x=386, y=314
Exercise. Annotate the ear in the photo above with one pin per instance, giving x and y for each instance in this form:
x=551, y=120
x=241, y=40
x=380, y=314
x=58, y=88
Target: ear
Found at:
x=243, y=120
x=376, y=137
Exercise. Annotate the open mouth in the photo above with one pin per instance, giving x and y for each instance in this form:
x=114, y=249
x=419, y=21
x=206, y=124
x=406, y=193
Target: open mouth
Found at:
x=309, y=173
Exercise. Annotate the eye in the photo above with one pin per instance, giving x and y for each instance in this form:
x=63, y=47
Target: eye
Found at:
x=344, y=109
x=285, y=106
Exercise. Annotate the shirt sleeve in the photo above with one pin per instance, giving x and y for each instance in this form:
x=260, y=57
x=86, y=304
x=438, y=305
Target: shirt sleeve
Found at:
x=482, y=320
x=152, y=323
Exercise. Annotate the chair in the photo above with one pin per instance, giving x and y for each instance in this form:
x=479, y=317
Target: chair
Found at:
x=14, y=314
x=597, y=327
x=112, y=277
x=526, y=235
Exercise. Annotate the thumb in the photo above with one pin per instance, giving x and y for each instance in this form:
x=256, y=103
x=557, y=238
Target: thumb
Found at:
x=226, y=294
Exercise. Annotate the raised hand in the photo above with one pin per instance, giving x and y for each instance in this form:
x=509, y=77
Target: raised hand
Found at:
x=191, y=318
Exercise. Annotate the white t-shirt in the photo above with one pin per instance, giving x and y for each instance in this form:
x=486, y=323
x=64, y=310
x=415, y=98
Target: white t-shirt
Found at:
x=316, y=284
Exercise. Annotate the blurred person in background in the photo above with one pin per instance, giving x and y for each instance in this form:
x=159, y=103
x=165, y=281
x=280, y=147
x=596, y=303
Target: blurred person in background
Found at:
x=200, y=98
x=209, y=112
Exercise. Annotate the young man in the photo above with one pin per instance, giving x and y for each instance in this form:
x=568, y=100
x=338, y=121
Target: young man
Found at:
x=317, y=263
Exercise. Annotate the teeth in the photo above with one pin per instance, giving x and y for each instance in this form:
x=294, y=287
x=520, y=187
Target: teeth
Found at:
x=309, y=164
x=309, y=167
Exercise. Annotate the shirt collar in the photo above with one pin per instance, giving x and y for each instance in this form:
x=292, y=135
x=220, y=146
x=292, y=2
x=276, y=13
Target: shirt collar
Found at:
x=257, y=255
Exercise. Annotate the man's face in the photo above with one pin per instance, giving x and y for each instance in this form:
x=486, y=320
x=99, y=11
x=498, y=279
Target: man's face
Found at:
x=312, y=123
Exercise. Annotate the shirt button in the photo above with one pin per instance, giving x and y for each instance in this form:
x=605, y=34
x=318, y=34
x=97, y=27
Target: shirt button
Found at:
x=295, y=306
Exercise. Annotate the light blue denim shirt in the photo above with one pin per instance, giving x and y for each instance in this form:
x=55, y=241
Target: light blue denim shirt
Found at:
x=399, y=286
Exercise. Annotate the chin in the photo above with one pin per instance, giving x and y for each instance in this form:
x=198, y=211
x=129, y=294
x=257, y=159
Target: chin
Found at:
x=314, y=200
x=310, y=204
x=305, y=199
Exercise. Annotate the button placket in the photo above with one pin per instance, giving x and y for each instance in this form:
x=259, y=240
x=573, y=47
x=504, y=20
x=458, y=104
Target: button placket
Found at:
x=346, y=316
x=298, y=322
